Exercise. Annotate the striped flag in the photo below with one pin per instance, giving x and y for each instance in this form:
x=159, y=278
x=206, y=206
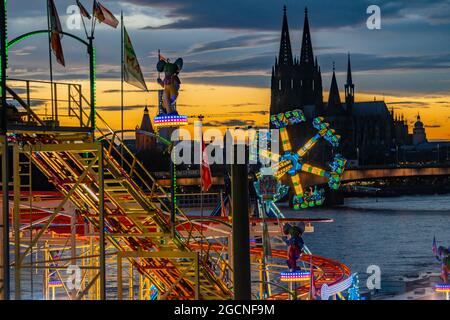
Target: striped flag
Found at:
x=83, y=10
x=56, y=33
x=223, y=210
x=161, y=57
x=132, y=70
x=104, y=15
x=205, y=170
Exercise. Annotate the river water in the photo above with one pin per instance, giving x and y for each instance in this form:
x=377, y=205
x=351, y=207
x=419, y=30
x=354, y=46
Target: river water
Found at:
x=395, y=234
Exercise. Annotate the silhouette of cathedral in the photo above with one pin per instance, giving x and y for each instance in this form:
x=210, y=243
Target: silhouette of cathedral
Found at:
x=368, y=129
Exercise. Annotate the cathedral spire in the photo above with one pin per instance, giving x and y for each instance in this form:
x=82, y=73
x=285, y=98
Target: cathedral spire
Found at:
x=349, y=71
x=285, y=56
x=306, y=54
x=349, y=87
x=334, y=100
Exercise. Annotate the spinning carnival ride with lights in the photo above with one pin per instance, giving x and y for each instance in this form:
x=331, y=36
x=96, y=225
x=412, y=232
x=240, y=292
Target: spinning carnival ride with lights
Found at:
x=292, y=163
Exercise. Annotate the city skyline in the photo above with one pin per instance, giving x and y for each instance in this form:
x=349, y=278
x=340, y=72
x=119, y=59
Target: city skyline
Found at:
x=411, y=75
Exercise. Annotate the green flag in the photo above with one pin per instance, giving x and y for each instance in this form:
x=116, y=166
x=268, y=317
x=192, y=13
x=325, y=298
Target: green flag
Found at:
x=132, y=71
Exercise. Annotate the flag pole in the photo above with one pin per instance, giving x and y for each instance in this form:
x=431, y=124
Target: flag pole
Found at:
x=50, y=55
x=94, y=19
x=84, y=26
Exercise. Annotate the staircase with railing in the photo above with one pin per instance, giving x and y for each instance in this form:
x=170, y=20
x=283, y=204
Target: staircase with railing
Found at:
x=136, y=208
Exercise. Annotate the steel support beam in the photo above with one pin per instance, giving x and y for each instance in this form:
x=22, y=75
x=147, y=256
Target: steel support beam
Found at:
x=194, y=256
x=92, y=80
x=101, y=199
x=16, y=222
x=241, y=232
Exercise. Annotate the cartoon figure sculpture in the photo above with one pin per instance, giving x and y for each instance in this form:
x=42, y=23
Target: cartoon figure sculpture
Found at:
x=293, y=238
x=171, y=83
x=443, y=255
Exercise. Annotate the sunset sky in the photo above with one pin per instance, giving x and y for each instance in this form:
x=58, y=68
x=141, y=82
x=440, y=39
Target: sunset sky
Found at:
x=230, y=46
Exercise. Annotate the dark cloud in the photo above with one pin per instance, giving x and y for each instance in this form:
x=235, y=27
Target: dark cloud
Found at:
x=260, y=62
x=246, y=25
x=245, y=104
x=372, y=62
x=231, y=123
x=243, y=41
x=416, y=103
x=252, y=14
x=409, y=104
x=126, y=91
x=118, y=108
x=238, y=113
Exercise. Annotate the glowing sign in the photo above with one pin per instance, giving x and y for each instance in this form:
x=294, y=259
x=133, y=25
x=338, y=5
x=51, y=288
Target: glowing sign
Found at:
x=442, y=288
x=170, y=120
x=295, y=276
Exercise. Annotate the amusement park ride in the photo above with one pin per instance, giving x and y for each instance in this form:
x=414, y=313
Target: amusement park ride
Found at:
x=111, y=231
x=292, y=163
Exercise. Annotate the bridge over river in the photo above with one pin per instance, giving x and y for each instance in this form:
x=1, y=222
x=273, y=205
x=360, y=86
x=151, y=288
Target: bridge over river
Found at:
x=366, y=173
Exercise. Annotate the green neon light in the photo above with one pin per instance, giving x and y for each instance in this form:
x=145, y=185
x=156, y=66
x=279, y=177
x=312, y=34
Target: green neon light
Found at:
x=37, y=32
x=25, y=36
x=174, y=186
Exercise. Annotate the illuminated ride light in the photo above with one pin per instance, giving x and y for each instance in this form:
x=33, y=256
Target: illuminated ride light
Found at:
x=295, y=276
x=170, y=120
x=442, y=288
x=55, y=284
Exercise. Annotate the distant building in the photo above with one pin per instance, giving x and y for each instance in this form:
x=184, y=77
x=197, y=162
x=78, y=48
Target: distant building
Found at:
x=368, y=129
x=143, y=141
x=419, y=135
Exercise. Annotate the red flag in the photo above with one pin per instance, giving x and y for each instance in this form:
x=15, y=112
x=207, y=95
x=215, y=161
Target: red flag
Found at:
x=205, y=170
x=56, y=33
x=223, y=210
x=83, y=10
x=162, y=58
x=57, y=49
x=104, y=15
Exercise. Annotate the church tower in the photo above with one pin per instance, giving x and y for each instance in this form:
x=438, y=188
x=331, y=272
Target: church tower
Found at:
x=297, y=82
x=419, y=135
x=283, y=96
x=334, y=107
x=349, y=88
x=145, y=142
x=307, y=68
